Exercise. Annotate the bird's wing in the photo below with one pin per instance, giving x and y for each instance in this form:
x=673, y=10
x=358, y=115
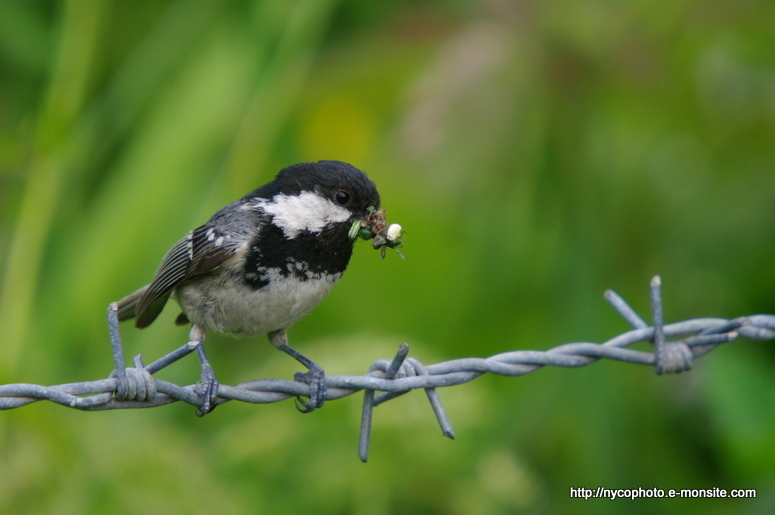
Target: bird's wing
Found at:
x=201, y=251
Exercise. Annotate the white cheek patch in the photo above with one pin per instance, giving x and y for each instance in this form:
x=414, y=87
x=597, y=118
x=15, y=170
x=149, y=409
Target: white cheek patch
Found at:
x=307, y=211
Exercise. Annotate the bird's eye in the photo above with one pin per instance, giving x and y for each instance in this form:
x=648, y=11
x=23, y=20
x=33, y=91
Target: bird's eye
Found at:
x=342, y=197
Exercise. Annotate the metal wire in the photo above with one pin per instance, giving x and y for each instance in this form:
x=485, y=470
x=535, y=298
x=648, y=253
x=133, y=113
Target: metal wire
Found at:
x=696, y=338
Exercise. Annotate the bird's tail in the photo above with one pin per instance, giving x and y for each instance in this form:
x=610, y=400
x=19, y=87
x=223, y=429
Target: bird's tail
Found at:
x=127, y=305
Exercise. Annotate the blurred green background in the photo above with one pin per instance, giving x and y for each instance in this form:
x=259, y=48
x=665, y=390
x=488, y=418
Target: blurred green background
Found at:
x=536, y=152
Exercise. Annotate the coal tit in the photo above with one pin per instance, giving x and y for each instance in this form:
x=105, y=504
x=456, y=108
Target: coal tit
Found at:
x=263, y=262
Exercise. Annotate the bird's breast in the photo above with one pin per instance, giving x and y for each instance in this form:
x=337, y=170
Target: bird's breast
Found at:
x=227, y=304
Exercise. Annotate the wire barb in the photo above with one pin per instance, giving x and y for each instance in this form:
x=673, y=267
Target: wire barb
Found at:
x=438, y=408
x=135, y=387
x=624, y=309
x=118, y=351
x=660, y=352
x=368, y=400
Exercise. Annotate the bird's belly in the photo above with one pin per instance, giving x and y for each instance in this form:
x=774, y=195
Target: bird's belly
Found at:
x=228, y=305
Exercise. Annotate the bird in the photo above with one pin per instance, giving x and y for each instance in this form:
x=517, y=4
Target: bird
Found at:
x=263, y=262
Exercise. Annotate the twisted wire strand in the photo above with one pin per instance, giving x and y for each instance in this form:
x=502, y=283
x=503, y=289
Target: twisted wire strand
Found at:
x=695, y=338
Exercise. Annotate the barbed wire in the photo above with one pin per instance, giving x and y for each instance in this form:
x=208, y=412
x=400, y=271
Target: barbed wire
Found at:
x=396, y=377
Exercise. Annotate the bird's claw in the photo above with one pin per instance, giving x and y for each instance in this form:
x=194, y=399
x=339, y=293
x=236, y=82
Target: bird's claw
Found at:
x=208, y=389
x=316, y=379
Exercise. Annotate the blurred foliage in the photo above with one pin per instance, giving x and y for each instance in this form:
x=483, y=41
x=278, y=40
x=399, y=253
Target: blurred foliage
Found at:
x=536, y=152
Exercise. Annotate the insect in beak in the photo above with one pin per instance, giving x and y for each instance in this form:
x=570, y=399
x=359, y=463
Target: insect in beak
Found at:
x=374, y=226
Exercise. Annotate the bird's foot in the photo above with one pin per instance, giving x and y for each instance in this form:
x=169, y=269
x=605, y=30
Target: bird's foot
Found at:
x=208, y=389
x=316, y=379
